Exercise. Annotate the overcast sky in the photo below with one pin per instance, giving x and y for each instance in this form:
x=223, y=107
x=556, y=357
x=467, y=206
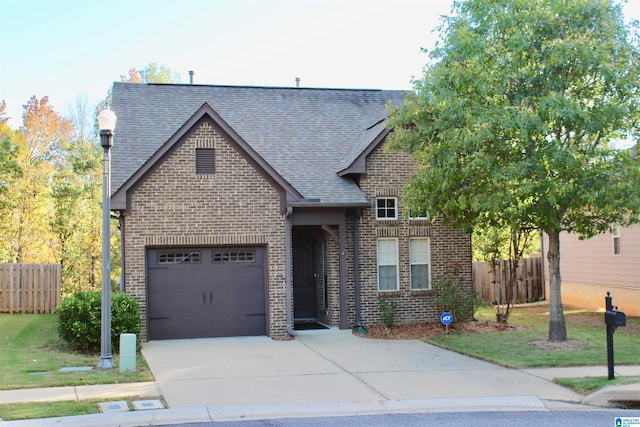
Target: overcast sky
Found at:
x=66, y=48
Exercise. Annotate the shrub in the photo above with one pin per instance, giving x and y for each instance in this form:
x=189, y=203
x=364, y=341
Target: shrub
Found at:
x=451, y=297
x=388, y=309
x=79, y=321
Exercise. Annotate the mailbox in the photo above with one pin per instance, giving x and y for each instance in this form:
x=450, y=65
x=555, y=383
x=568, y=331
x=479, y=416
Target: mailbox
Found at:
x=615, y=318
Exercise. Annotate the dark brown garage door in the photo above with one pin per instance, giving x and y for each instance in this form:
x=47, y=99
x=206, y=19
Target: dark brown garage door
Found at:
x=206, y=292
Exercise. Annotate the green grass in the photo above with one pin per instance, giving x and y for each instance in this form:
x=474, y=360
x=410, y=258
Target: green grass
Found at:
x=31, y=354
x=588, y=385
x=514, y=349
x=66, y=408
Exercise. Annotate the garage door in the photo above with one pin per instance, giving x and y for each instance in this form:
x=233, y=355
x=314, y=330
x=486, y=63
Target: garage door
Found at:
x=206, y=292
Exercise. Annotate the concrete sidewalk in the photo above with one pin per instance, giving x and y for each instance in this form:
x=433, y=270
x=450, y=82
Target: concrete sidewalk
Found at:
x=323, y=372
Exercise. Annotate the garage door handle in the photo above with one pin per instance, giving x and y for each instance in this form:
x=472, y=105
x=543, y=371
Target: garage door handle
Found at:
x=210, y=297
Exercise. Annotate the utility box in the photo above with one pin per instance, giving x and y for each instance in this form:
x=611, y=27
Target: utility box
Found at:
x=128, y=344
x=615, y=318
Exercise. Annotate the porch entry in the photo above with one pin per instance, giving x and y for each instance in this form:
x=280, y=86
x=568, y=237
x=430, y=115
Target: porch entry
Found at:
x=309, y=279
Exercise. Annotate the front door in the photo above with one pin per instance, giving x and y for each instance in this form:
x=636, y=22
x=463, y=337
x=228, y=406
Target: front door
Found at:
x=304, y=280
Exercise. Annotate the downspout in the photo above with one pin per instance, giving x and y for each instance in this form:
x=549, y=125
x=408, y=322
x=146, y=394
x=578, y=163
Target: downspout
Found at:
x=288, y=270
x=356, y=267
x=123, y=287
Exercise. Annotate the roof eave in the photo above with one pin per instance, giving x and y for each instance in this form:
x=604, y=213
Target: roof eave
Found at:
x=359, y=165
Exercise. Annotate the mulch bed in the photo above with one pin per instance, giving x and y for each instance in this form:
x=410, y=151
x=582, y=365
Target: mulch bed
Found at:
x=430, y=329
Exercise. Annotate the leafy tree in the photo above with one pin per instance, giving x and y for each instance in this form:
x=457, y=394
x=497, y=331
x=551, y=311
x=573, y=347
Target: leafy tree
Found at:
x=495, y=242
x=514, y=120
x=45, y=131
x=10, y=173
x=152, y=73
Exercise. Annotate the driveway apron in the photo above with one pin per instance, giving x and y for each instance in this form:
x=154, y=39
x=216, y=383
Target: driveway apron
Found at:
x=327, y=366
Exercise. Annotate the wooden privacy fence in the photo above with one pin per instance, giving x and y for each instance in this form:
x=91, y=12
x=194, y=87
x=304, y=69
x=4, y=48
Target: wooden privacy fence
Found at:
x=490, y=285
x=29, y=288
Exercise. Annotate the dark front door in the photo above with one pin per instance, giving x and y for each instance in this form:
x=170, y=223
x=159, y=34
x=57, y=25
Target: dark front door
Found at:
x=206, y=292
x=304, y=281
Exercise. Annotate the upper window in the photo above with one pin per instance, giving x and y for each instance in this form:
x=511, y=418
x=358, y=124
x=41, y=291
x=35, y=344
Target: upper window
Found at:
x=617, y=244
x=205, y=161
x=418, y=214
x=386, y=208
x=420, y=259
x=388, y=264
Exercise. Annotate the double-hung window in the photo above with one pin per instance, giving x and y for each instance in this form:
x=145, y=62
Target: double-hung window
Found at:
x=420, y=261
x=387, y=264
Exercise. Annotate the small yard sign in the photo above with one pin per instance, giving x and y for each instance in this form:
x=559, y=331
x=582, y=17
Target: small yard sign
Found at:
x=446, y=319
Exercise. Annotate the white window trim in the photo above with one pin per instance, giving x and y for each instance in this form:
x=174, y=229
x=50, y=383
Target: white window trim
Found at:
x=395, y=217
x=419, y=218
x=428, y=263
x=615, y=231
x=397, y=264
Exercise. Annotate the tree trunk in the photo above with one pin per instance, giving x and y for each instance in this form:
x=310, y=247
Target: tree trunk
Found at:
x=557, y=325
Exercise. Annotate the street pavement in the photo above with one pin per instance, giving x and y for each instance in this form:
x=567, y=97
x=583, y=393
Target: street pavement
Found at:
x=323, y=373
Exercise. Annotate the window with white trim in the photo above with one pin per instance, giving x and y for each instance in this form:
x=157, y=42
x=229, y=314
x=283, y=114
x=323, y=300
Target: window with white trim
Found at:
x=420, y=261
x=418, y=214
x=388, y=264
x=386, y=208
x=617, y=244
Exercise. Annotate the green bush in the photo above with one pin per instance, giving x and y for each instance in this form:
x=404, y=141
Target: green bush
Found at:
x=451, y=297
x=388, y=309
x=79, y=321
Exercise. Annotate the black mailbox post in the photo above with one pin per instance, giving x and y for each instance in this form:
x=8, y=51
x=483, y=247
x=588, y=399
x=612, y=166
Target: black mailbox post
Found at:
x=613, y=319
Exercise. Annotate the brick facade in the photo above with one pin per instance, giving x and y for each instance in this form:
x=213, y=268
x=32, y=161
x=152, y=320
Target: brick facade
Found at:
x=387, y=175
x=173, y=206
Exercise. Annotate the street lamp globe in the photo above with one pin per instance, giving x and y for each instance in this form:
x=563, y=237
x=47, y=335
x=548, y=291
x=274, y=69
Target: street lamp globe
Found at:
x=107, y=120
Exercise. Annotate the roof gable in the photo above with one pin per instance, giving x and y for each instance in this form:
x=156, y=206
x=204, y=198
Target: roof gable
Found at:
x=355, y=161
x=303, y=136
x=119, y=199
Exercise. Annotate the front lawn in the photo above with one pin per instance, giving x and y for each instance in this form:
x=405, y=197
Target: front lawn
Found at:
x=31, y=355
x=525, y=346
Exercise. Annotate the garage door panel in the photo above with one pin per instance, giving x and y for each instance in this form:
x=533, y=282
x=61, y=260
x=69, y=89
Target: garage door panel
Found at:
x=222, y=294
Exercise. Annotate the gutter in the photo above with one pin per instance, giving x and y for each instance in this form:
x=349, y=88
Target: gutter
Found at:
x=288, y=270
x=316, y=203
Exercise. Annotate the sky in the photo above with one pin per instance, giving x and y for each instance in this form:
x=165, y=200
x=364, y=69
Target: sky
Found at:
x=75, y=49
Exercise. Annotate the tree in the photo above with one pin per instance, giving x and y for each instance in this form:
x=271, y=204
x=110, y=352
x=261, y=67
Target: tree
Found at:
x=152, y=73
x=495, y=243
x=10, y=173
x=514, y=120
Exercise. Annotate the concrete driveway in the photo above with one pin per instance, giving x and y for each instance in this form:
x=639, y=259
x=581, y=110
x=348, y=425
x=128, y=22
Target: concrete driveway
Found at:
x=328, y=366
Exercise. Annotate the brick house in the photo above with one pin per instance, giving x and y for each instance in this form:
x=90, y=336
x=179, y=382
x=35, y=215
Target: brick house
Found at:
x=257, y=210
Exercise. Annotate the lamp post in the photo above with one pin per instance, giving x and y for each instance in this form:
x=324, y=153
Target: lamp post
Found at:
x=106, y=123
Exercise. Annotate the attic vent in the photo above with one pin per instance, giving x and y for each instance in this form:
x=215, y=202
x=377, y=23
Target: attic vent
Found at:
x=205, y=161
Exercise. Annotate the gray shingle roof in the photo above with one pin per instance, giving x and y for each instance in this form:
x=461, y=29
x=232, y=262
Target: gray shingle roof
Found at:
x=306, y=135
